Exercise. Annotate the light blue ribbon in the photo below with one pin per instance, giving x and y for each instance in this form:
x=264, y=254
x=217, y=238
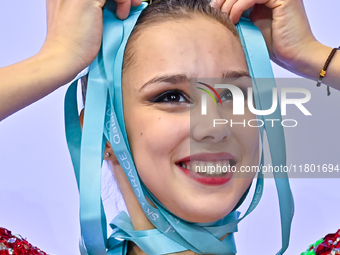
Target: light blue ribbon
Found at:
x=263, y=81
x=104, y=120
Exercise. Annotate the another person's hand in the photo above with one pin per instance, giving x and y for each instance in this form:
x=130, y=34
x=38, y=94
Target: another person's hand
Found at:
x=284, y=25
x=124, y=6
x=74, y=34
x=74, y=28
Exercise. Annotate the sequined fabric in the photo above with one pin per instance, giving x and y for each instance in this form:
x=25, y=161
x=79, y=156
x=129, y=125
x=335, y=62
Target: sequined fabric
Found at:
x=16, y=245
x=329, y=245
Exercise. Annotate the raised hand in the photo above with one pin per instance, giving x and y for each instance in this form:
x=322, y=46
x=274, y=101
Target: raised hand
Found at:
x=289, y=38
x=74, y=32
x=75, y=27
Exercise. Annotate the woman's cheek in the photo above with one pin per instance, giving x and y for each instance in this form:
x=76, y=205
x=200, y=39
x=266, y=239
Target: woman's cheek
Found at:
x=158, y=138
x=163, y=132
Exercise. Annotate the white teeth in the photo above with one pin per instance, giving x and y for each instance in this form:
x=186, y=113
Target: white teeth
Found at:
x=211, y=168
x=202, y=166
x=225, y=163
x=185, y=166
x=195, y=166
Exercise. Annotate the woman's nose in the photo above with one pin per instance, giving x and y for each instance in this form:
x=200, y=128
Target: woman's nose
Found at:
x=211, y=127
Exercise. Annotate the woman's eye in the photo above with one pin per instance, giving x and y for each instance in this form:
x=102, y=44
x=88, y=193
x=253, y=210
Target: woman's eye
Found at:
x=226, y=95
x=171, y=96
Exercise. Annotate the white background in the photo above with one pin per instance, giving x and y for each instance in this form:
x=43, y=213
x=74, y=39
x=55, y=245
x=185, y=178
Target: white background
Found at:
x=38, y=194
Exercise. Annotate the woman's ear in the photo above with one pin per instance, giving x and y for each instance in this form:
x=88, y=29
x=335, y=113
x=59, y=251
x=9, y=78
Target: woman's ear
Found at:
x=108, y=153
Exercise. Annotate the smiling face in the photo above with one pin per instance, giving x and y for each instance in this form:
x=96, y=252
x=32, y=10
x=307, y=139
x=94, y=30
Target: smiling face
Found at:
x=158, y=107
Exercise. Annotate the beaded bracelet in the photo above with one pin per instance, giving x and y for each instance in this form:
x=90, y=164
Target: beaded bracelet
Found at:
x=324, y=70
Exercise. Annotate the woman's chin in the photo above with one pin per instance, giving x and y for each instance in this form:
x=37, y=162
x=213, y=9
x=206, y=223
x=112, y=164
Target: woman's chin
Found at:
x=199, y=214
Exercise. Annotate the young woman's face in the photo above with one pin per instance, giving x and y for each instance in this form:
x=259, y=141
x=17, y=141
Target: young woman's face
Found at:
x=158, y=107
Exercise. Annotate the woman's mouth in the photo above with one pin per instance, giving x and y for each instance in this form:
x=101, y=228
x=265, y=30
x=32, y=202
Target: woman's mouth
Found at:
x=216, y=171
x=209, y=168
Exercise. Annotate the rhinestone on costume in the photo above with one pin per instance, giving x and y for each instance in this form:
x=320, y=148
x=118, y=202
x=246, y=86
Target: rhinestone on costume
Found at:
x=16, y=245
x=19, y=237
x=11, y=240
x=329, y=245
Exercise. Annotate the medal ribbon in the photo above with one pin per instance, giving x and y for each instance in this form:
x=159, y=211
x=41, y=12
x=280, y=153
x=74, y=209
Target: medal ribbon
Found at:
x=104, y=121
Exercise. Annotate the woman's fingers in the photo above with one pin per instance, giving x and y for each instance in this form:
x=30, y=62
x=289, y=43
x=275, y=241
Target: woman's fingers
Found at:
x=234, y=8
x=242, y=5
x=224, y=5
x=124, y=6
x=227, y=6
x=136, y=2
x=239, y=7
x=262, y=17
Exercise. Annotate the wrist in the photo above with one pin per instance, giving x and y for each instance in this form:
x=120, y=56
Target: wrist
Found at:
x=59, y=63
x=311, y=60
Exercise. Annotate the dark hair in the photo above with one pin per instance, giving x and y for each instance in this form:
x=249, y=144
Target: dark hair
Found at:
x=164, y=10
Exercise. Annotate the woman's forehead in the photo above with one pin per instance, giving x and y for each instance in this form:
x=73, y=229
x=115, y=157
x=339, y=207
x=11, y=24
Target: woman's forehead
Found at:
x=197, y=47
x=186, y=31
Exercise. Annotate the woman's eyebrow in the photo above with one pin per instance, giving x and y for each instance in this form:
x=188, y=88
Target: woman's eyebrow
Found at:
x=173, y=79
x=235, y=74
x=183, y=78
